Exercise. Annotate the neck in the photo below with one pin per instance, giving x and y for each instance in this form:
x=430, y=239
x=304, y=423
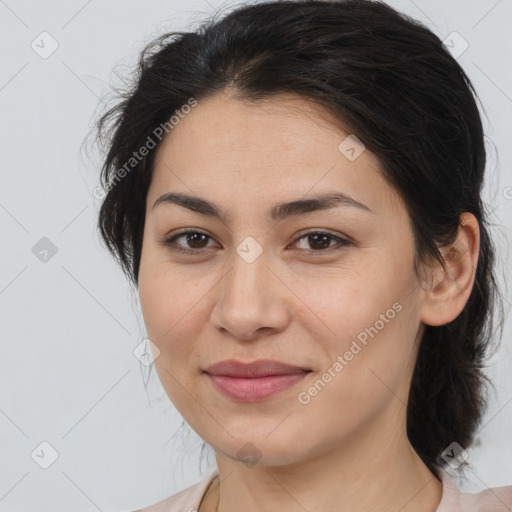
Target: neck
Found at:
x=370, y=472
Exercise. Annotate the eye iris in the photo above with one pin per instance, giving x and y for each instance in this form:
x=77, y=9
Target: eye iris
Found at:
x=190, y=238
x=325, y=238
x=198, y=240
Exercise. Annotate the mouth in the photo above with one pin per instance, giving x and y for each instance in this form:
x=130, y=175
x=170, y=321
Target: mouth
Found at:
x=251, y=382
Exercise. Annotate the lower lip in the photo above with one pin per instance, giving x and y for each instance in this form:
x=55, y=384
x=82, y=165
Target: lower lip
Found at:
x=254, y=389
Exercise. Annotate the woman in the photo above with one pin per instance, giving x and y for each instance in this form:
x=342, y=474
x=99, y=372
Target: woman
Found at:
x=295, y=191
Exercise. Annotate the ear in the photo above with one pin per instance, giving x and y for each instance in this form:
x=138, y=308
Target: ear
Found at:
x=450, y=289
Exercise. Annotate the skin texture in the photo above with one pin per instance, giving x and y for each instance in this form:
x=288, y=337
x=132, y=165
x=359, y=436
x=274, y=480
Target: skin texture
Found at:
x=300, y=302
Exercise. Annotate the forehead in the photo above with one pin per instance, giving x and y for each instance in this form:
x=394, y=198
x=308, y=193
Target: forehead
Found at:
x=277, y=129
x=285, y=146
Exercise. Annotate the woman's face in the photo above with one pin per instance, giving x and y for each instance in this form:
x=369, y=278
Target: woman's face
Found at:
x=258, y=287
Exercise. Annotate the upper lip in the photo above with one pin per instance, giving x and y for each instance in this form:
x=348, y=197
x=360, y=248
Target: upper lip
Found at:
x=260, y=368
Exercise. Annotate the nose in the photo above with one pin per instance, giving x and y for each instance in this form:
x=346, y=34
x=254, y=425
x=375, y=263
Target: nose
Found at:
x=252, y=300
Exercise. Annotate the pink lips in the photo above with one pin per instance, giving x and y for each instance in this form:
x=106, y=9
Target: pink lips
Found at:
x=250, y=382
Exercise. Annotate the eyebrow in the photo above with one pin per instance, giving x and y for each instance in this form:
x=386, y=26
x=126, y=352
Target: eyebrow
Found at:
x=279, y=211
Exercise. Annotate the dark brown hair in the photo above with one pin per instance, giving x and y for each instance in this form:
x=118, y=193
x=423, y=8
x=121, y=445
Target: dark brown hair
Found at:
x=392, y=82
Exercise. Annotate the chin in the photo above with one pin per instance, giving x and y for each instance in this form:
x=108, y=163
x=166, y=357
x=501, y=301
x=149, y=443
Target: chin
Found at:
x=260, y=451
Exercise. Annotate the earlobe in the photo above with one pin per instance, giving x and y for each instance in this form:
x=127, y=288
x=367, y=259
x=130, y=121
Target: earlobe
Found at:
x=451, y=287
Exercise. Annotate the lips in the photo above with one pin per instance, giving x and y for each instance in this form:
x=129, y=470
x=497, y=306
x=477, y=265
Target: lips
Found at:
x=261, y=368
x=251, y=382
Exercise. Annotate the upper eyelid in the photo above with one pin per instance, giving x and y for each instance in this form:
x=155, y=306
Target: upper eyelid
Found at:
x=342, y=238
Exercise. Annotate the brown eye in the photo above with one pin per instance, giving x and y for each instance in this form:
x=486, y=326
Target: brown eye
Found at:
x=196, y=239
x=319, y=241
x=196, y=242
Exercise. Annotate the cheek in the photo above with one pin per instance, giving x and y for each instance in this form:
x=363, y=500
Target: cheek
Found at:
x=167, y=296
x=361, y=379
x=343, y=302
x=171, y=326
x=369, y=327
x=174, y=309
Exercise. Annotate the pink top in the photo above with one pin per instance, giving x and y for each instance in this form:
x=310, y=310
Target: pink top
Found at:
x=495, y=499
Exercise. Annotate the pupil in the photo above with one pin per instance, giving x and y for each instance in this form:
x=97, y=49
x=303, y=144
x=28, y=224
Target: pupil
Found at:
x=325, y=237
x=321, y=241
x=191, y=237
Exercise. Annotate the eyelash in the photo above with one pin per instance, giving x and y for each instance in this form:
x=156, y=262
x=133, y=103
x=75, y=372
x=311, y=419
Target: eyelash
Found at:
x=342, y=242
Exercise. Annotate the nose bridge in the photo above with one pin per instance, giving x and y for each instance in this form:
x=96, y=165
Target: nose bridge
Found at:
x=249, y=275
x=248, y=297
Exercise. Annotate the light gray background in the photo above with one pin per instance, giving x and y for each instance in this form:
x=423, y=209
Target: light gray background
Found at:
x=69, y=326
